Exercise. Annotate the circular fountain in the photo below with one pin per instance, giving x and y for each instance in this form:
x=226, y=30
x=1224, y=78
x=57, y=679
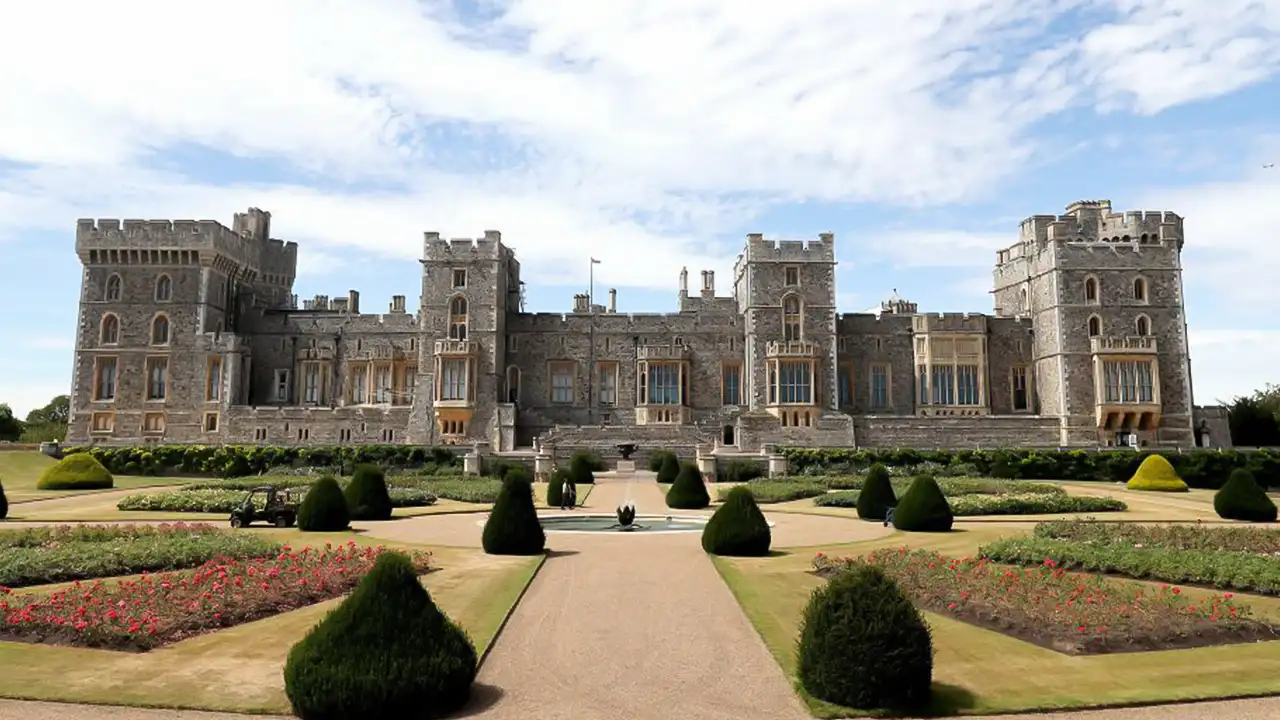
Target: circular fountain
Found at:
x=610, y=524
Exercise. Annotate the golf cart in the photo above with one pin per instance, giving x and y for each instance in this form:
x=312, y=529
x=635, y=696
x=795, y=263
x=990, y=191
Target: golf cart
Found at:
x=280, y=508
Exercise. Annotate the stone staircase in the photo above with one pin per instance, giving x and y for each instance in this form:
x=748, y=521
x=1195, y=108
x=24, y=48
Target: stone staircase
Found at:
x=958, y=432
x=604, y=440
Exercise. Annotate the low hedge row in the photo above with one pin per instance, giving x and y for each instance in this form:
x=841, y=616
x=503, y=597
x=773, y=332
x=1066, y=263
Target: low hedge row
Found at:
x=1220, y=538
x=950, y=485
x=242, y=460
x=1199, y=468
x=58, y=554
x=210, y=500
x=776, y=492
x=974, y=505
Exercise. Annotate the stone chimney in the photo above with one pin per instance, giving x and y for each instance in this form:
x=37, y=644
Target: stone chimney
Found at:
x=708, y=284
x=353, y=302
x=397, y=303
x=581, y=302
x=613, y=300
x=684, y=282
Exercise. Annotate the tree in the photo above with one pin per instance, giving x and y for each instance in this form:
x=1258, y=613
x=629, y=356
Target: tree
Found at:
x=10, y=426
x=58, y=412
x=1253, y=420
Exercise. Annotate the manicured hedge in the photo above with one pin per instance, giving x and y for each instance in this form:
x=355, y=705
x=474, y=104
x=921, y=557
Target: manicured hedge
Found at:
x=1156, y=474
x=776, y=492
x=1009, y=504
x=76, y=472
x=738, y=528
x=1199, y=468
x=242, y=460
x=212, y=500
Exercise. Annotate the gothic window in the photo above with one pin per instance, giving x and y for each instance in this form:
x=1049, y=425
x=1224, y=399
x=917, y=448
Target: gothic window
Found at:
x=791, y=318
x=458, y=318
x=1091, y=290
x=160, y=330
x=110, y=334
x=1140, y=290
x=1095, y=326
x=164, y=289
x=112, y=293
x=1143, y=325
x=1024, y=304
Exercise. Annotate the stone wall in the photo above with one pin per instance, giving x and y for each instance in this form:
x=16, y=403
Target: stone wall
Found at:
x=957, y=433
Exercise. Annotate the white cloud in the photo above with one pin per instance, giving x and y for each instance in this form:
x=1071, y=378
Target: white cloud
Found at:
x=1229, y=363
x=30, y=394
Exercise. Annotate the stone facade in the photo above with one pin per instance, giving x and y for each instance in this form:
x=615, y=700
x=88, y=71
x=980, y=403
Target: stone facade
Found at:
x=188, y=332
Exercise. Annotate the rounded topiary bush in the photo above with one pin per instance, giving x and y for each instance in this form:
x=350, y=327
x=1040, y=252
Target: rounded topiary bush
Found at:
x=737, y=528
x=688, y=492
x=580, y=468
x=876, y=496
x=1156, y=474
x=1240, y=498
x=386, y=652
x=923, y=508
x=669, y=469
x=513, y=527
x=864, y=645
x=324, y=509
x=367, y=495
x=79, y=471
x=518, y=472
x=657, y=457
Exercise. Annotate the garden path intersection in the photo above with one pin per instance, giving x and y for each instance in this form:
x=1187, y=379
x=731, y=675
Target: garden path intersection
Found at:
x=632, y=625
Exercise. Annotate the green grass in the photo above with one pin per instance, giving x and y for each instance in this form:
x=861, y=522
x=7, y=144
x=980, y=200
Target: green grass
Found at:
x=971, y=666
x=239, y=669
x=20, y=471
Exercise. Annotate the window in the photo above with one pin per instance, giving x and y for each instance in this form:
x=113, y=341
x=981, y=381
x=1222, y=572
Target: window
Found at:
x=791, y=383
x=112, y=293
x=359, y=384
x=304, y=434
x=104, y=379
x=160, y=330
x=382, y=384
x=731, y=384
x=966, y=384
x=311, y=384
x=1140, y=290
x=513, y=384
x=211, y=422
x=213, y=384
x=1143, y=325
x=664, y=385
x=344, y=435
x=157, y=378
x=1018, y=381
x=1091, y=290
x=453, y=427
x=459, y=278
x=164, y=289
x=409, y=382
x=110, y=331
x=513, y=343
x=284, y=385
x=608, y=373
x=791, y=318
x=944, y=385
x=103, y=422
x=453, y=379
x=1024, y=302
x=879, y=386
x=260, y=434
x=1095, y=326
x=153, y=423
x=844, y=378
x=792, y=275
x=562, y=383
x=458, y=318
x=923, y=375
x=388, y=435
x=841, y=344
x=1128, y=381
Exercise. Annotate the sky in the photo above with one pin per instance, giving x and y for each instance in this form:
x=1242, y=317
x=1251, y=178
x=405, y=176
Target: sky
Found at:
x=650, y=134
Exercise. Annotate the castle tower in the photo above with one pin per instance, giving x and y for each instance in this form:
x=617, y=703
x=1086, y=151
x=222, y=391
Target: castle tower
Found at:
x=1104, y=291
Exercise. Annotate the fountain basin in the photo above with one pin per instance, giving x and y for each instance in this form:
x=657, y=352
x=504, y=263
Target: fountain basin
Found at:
x=599, y=523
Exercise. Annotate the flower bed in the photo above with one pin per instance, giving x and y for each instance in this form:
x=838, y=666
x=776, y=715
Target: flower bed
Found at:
x=1072, y=613
x=156, y=610
x=1009, y=504
x=951, y=486
x=1234, y=558
x=776, y=492
x=56, y=554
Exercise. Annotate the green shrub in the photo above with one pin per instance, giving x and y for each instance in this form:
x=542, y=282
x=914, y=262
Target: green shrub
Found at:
x=740, y=471
x=1220, y=538
x=244, y=460
x=923, y=508
x=367, y=495
x=877, y=494
x=1240, y=498
x=840, y=498
x=386, y=652
x=688, y=492
x=581, y=466
x=658, y=457
x=670, y=468
x=737, y=528
x=1031, y=504
x=864, y=645
x=513, y=527
x=76, y=472
x=469, y=490
x=1156, y=474
x=499, y=467
x=555, y=487
x=4, y=503
x=324, y=509
x=767, y=491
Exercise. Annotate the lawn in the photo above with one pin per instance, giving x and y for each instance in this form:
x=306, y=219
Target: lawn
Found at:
x=20, y=471
x=971, y=667
x=239, y=669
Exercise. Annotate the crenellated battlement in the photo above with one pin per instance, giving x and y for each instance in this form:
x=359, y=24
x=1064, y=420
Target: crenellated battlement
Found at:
x=1092, y=222
x=437, y=248
x=949, y=322
x=760, y=249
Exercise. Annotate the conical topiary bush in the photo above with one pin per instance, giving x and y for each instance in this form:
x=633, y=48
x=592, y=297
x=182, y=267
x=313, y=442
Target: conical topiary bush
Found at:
x=4, y=503
x=581, y=467
x=367, y=495
x=876, y=496
x=923, y=508
x=1240, y=498
x=737, y=528
x=688, y=492
x=513, y=527
x=324, y=509
x=670, y=468
x=555, y=487
x=78, y=471
x=1156, y=474
x=864, y=645
x=386, y=652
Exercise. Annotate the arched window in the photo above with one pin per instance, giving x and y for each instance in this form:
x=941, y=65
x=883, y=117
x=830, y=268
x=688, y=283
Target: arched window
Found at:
x=1143, y=325
x=164, y=288
x=110, y=331
x=458, y=318
x=791, y=322
x=160, y=330
x=1091, y=290
x=1140, y=289
x=1095, y=326
x=1024, y=301
x=112, y=293
x=513, y=384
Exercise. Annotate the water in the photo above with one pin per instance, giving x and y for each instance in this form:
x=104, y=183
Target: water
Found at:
x=609, y=523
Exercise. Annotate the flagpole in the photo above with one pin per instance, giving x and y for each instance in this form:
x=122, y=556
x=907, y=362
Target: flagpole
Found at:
x=591, y=285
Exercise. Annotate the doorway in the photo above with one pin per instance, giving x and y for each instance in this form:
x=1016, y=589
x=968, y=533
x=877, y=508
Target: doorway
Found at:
x=729, y=438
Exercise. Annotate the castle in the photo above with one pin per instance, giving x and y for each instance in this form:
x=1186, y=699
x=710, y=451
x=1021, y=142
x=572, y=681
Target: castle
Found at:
x=188, y=332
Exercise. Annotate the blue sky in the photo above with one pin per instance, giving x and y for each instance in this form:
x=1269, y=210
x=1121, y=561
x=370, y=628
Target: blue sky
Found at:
x=650, y=134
